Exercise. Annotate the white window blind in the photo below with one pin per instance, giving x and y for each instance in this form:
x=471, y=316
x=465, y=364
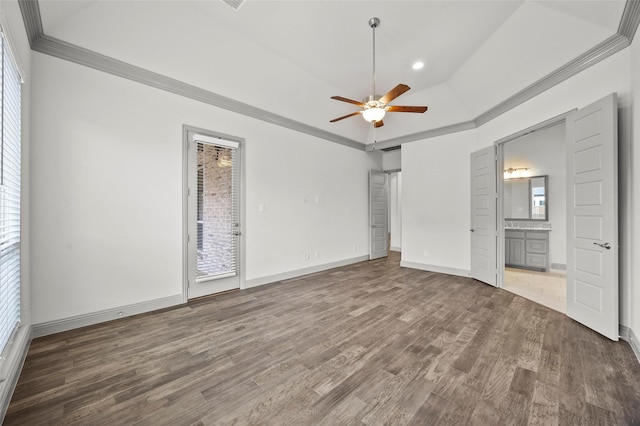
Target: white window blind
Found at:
x=218, y=184
x=9, y=195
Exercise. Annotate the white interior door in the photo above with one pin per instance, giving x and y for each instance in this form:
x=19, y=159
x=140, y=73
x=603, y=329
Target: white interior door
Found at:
x=592, y=216
x=378, y=212
x=483, y=216
x=213, y=214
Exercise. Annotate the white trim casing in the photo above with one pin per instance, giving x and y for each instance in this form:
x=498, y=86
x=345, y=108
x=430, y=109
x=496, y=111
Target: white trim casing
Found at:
x=630, y=337
x=17, y=353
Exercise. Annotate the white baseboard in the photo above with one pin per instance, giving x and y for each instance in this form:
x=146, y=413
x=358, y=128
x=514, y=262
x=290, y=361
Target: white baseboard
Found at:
x=630, y=337
x=15, y=355
x=65, y=324
x=559, y=266
x=393, y=248
x=304, y=271
x=434, y=268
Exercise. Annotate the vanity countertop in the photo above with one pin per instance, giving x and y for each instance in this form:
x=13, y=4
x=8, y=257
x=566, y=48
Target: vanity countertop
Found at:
x=526, y=225
x=520, y=228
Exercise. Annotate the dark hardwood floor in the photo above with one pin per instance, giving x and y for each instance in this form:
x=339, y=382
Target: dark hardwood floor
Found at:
x=370, y=343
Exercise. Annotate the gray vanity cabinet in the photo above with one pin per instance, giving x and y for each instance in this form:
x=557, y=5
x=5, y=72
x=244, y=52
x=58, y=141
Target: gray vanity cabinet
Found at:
x=527, y=249
x=515, y=248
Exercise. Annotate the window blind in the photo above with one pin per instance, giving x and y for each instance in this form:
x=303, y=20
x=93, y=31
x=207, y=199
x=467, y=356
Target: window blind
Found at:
x=10, y=135
x=218, y=186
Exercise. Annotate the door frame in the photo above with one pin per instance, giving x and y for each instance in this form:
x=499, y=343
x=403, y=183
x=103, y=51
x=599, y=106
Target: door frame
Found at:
x=186, y=131
x=500, y=249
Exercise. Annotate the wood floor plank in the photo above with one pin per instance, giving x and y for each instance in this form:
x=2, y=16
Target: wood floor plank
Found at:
x=369, y=343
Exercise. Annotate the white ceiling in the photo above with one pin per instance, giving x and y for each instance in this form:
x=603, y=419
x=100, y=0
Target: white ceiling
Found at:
x=290, y=57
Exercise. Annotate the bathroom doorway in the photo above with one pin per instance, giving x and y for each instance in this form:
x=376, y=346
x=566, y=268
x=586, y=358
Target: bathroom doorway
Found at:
x=534, y=212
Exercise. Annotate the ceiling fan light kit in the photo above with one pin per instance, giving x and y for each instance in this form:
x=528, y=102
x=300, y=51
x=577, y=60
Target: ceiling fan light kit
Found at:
x=375, y=107
x=374, y=110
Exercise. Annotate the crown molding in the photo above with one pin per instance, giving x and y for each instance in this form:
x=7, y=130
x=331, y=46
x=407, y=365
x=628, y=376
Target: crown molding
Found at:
x=32, y=20
x=51, y=46
x=440, y=131
x=43, y=43
x=591, y=57
x=630, y=20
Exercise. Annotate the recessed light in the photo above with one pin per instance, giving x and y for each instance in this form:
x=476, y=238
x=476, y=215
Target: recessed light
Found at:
x=417, y=65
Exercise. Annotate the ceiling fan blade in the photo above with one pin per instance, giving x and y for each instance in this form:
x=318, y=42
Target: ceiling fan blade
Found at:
x=350, y=101
x=378, y=123
x=394, y=93
x=397, y=108
x=345, y=116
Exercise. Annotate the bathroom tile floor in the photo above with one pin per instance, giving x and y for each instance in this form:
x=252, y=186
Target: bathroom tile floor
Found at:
x=545, y=288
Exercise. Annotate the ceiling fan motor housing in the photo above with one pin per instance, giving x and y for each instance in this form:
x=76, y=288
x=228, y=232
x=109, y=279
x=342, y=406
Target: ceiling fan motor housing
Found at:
x=373, y=101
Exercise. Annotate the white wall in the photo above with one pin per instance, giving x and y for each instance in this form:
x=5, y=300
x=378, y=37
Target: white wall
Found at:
x=10, y=363
x=436, y=177
x=544, y=153
x=392, y=160
x=436, y=202
x=107, y=192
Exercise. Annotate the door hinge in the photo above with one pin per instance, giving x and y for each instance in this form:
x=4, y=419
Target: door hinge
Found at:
x=188, y=238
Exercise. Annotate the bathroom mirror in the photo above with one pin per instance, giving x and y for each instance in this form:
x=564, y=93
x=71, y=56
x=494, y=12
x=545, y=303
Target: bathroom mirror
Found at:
x=526, y=198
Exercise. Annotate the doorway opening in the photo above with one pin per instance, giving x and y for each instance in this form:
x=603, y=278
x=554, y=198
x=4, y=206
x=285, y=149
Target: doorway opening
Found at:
x=534, y=215
x=395, y=211
x=591, y=211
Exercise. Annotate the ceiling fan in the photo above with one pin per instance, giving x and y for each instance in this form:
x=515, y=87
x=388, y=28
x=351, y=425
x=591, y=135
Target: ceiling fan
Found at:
x=374, y=107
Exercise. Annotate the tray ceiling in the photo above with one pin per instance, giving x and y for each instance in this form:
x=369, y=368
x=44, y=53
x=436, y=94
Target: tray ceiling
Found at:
x=289, y=57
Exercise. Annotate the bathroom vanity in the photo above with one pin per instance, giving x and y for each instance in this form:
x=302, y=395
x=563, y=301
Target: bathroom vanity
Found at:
x=527, y=248
x=526, y=214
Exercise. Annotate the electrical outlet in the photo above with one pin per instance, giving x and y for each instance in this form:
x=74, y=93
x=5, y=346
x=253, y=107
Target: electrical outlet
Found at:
x=305, y=256
x=317, y=254
x=355, y=247
x=426, y=253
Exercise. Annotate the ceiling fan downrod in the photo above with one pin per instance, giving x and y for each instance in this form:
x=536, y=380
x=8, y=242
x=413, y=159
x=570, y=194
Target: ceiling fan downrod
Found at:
x=374, y=23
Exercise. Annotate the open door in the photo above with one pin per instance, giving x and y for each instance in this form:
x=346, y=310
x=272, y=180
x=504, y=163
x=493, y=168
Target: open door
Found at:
x=378, y=212
x=592, y=216
x=483, y=216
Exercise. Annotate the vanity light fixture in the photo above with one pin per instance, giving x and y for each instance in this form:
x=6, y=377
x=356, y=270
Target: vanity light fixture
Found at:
x=516, y=172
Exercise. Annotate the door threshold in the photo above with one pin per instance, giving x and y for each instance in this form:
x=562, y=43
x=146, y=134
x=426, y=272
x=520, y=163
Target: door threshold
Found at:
x=212, y=296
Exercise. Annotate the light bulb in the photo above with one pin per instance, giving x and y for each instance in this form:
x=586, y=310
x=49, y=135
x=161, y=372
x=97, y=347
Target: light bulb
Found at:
x=373, y=114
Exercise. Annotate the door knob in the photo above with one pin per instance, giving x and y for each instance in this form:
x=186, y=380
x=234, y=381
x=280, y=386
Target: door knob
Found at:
x=472, y=230
x=605, y=245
